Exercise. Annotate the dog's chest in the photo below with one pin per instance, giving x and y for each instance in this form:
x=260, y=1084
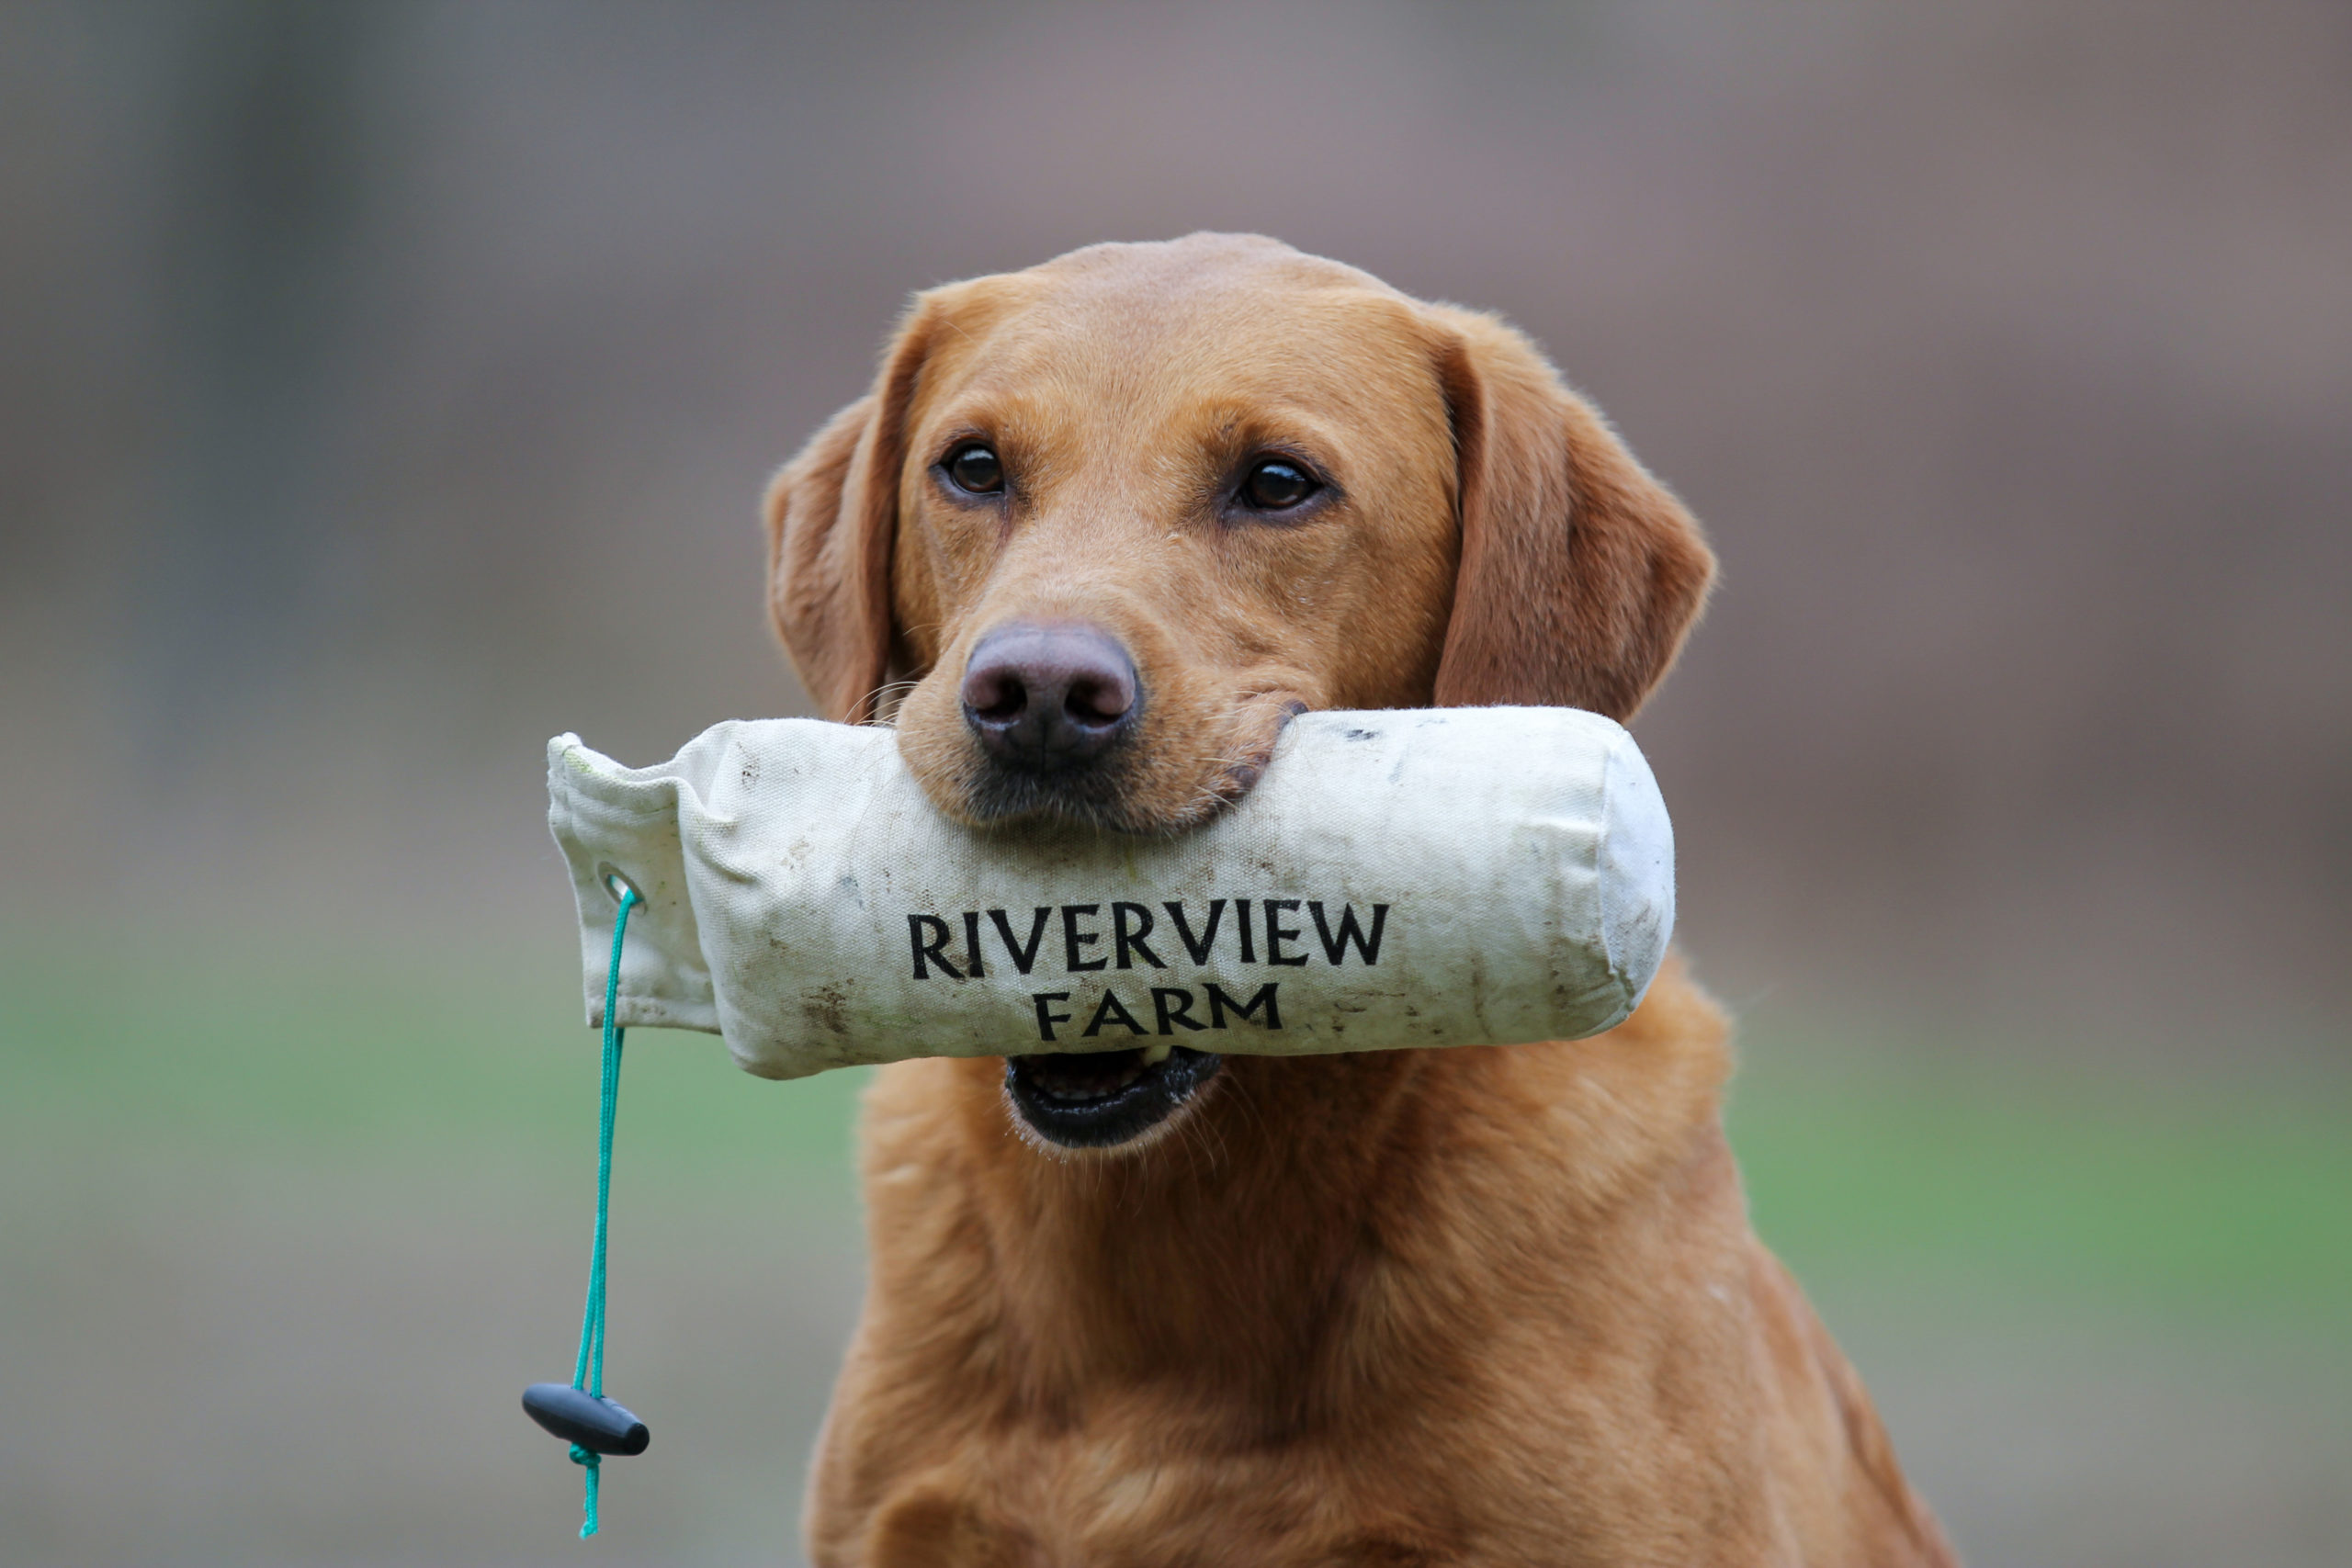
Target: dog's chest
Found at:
x=1070, y=1504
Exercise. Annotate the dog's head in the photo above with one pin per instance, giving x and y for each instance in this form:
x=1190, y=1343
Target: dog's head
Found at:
x=1108, y=522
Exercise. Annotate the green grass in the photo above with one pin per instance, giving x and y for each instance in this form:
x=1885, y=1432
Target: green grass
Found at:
x=2229, y=1196
x=246, y=1055
x=2224, y=1196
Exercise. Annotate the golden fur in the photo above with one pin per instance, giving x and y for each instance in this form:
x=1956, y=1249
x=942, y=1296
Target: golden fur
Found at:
x=1494, y=1306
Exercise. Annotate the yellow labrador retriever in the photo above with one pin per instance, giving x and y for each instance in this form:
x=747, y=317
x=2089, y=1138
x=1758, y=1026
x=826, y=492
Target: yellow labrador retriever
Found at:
x=1107, y=525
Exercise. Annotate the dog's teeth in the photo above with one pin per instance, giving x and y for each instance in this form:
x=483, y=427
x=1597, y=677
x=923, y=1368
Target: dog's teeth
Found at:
x=1157, y=1053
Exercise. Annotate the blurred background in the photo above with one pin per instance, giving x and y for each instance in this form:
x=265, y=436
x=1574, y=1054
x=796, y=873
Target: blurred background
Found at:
x=385, y=388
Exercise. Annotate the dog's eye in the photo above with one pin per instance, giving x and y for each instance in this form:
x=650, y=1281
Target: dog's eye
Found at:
x=1275, y=485
x=973, y=469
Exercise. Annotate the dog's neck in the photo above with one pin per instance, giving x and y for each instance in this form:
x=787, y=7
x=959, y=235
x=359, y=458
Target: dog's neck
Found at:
x=1290, y=1223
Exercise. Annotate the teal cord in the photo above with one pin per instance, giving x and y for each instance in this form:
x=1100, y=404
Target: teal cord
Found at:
x=588, y=1369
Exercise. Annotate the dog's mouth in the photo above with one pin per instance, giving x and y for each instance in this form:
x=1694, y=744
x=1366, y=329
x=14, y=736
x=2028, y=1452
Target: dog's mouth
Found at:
x=1096, y=1100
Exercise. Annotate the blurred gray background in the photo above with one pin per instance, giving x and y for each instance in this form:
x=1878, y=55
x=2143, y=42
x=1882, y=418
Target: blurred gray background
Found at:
x=384, y=388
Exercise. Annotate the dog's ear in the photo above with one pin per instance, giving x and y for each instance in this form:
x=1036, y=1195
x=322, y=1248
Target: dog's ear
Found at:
x=833, y=516
x=1580, y=573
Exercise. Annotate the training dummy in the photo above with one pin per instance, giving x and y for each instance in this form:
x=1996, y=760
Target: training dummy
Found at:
x=1445, y=876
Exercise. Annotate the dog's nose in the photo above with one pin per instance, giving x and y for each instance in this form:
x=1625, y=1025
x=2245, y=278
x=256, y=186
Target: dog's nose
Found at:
x=1043, y=697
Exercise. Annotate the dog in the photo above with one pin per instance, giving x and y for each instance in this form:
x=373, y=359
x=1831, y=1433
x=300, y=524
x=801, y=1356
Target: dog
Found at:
x=1099, y=530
